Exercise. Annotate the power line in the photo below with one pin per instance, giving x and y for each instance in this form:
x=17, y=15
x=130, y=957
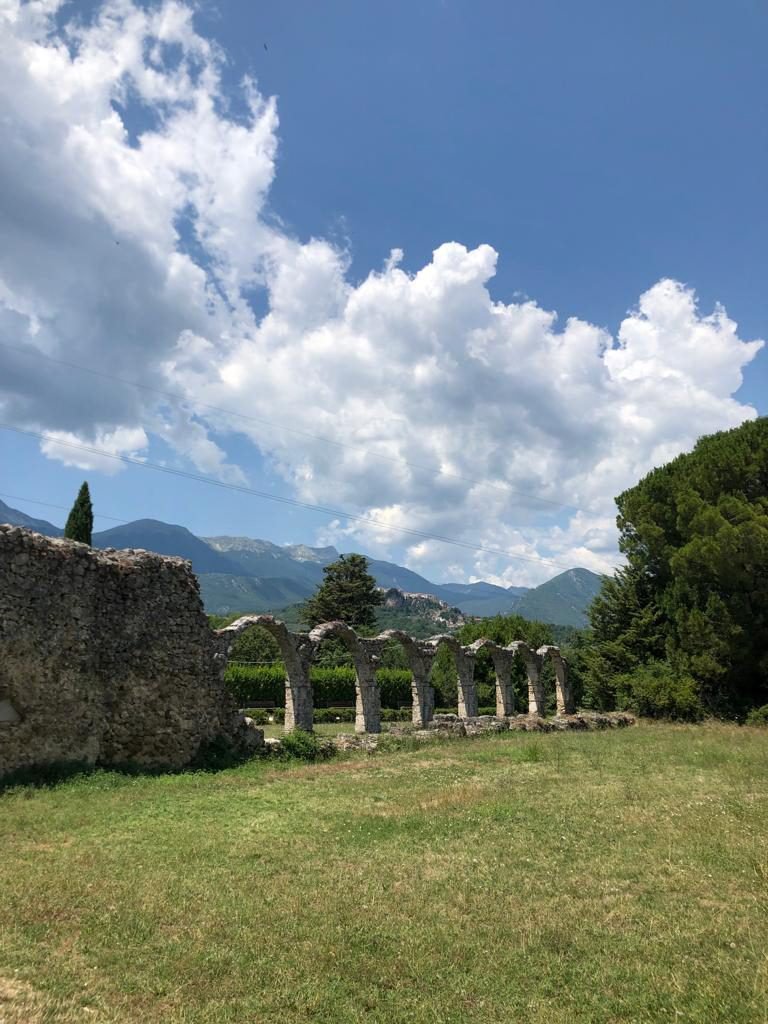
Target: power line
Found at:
x=242, y=489
x=49, y=504
x=177, y=396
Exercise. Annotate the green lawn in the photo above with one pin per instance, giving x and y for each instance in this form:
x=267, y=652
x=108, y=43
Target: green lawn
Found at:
x=596, y=877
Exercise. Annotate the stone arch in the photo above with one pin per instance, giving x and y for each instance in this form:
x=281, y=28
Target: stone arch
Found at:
x=296, y=650
x=532, y=661
x=419, y=658
x=563, y=690
x=464, y=659
x=365, y=654
x=502, y=665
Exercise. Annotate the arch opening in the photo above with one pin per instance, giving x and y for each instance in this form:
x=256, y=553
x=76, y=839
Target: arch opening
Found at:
x=419, y=658
x=296, y=652
x=464, y=660
x=532, y=663
x=502, y=661
x=365, y=654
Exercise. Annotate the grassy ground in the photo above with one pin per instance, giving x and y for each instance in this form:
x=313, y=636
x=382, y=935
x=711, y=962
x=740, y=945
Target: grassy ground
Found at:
x=596, y=877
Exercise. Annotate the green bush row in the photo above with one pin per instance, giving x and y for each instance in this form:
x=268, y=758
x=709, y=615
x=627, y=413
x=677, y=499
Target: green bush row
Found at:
x=276, y=716
x=266, y=683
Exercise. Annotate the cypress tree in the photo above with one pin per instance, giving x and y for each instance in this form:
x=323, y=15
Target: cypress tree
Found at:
x=79, y=524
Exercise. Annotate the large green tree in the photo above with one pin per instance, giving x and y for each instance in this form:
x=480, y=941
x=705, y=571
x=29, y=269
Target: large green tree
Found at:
x=694, y=594
x=79, y=525
x=348, y=592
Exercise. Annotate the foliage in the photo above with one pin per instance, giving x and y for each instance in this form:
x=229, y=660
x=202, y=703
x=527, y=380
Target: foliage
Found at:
x=79, y=524
x=502, y=629
x=655, y=691
x=324, y=715
x=348, y=592
x=305, y=746
x=758, y=716
x=695, y=589
x=255, y=645
x=266, y=683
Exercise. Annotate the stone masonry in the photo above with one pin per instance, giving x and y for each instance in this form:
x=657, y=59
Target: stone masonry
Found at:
x=299, y=650
x=106, y=657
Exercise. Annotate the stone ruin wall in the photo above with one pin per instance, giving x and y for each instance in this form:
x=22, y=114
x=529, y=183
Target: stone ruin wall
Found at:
x=106, y=657
x=299, y=650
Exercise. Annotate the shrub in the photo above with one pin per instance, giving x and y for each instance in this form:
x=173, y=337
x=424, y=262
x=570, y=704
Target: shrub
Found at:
x=758, y=716
x=259, y=715
x=396, y=714
x=395, y=687
x=305, y=746
x=323, y=715
x=256, y=683
x=656, y=691
x=266, y=683
x=266, y=716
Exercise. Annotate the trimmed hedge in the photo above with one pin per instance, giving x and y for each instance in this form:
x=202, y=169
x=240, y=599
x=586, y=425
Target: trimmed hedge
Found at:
x=263, y=716
x=266, y=683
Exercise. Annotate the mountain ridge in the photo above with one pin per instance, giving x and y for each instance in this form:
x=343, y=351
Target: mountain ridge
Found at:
x=247, y=574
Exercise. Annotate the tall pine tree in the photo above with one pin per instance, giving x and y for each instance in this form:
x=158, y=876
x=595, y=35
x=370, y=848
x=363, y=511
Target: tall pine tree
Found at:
x=79, y=524
x=348, y=592
x=694, y=593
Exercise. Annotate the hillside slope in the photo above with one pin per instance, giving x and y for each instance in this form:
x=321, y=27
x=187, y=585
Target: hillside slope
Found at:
x=167, y=539
x=563, y=600
x=242, y=574
x=17, y=518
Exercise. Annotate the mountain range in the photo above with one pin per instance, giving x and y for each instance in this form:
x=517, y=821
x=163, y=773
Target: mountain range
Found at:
x=247, y=575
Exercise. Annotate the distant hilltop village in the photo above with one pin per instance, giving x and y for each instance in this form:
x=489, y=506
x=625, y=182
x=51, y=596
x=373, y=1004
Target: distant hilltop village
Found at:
x=426, y=606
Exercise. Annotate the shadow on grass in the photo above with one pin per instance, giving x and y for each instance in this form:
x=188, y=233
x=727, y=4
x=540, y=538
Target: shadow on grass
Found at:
x=214, y=756
x=211, y=757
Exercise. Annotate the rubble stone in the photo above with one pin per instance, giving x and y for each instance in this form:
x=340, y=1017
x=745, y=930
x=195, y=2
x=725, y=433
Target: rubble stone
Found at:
x=106, y=657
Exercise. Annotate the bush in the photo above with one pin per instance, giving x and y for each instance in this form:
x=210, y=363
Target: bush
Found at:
x=305, y=746
x=266, y=716
x=324, y=715
x=256, y=683
x=396, y=714
x=259, y=715
x=758, y=716
x=266, y=683
x=656, y=691
x=395, y=687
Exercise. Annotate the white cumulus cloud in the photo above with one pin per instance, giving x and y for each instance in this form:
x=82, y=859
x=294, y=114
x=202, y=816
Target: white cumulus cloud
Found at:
x=135, y=228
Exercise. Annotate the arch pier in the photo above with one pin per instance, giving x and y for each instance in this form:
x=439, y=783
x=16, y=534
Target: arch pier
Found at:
x=299, y=651
x=419, y=657
x=365, y=657
x=563, y=691
x=503, y=659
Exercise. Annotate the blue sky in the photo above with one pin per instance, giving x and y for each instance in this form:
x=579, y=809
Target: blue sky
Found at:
x=597, y=148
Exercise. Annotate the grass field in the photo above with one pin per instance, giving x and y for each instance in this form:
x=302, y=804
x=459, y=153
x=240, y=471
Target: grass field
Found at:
x=595, y=877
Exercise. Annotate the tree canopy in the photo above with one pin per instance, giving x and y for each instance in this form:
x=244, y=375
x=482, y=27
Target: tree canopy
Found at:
x=79, y=525
x=694, y=592
x=348, y=592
